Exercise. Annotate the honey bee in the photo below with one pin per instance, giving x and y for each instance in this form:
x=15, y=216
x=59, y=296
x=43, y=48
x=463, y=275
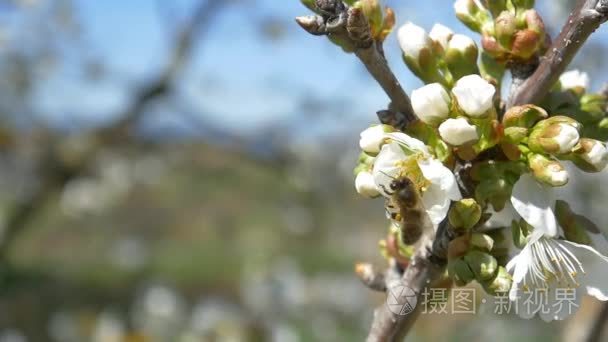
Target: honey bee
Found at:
x=405, y=207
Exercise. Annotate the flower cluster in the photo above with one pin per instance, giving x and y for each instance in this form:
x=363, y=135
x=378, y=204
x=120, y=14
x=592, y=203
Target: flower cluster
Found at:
x=527, y=146
x=511, y=30
x=509, y=233
x=439, y=56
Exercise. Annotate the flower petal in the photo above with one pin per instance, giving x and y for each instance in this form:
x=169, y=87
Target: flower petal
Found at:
x=500, y=219
x=436, y=204
x=385, y=166
x=410, y=143
x=594, y=281
x=435, y=172
x=534, y=202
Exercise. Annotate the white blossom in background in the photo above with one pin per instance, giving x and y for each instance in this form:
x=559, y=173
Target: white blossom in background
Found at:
x=574, y=79
x=431, y=103
x=365, y=185
x=458, y=132
x=474, y=95
x=407, y=156
x=441, y=34
x=372, y=138
x=412, y=39
x=548, y=262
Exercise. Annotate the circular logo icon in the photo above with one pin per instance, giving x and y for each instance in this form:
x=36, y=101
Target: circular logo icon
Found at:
x=401, y=300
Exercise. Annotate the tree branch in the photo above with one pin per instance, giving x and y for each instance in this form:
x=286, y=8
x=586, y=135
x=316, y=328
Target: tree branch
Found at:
x=599, y=324
x=582, y=22
x=340, y=22
x=378, y=67
x=54, y=171
x=425, y=268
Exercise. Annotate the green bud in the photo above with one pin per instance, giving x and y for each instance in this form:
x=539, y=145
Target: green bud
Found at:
x=522, y=4
x=464, y=214
x=520, y=231
x=373, y=12
x=515, y=135
x=491, y=70
x=506, y=26
x=501, y=283
x=524, y=116
x=461, y=56
x=482, y=242
x=496, y=191
x=495, y=6
x=483, y=265
x=595, y=105
x=460, y=272
x=548, y=171
x=469, y=14
x=574, y=225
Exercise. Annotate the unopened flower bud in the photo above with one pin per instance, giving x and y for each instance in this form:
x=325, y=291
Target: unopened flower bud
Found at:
x=373, y=12
x=475, y=95
x=417, y=49
x=535, y=22
x=505, y=26
x=460, y=272
x=464, y=214
x=468, y=12
x=595, y=105
x=431, y=103
x=458, y=132
x=590, y=155
x=557, y=138
x=459, y=246
x=441, y=34
x=524, y=116
x=483, y=265
x=373, y=138
x=574, y=80
x=365, y=185
x=461, y=56
x=491, y=46
x=548, y=171
x=574, y=226
x=526, y=43
x=495, y=6
x=515, y=135
x=500, y=284
x=482, y=242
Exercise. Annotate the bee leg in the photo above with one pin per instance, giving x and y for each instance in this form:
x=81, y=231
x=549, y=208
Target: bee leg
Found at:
x=386, y=191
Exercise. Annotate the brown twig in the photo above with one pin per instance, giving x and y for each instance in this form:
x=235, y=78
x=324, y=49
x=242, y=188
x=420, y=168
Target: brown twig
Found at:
x=425, y=268
x=378, y=67
x=339, y=23
x=582, y=22
x=55, y=173
x=599, y=324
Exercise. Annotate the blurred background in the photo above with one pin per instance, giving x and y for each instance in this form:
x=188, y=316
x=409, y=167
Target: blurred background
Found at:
x=182, y=171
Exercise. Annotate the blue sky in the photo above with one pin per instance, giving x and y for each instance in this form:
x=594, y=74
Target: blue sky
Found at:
x=236, y=78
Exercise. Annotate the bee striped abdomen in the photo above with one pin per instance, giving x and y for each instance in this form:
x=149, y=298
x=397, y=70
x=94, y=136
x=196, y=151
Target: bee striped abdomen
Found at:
x=405, y=208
